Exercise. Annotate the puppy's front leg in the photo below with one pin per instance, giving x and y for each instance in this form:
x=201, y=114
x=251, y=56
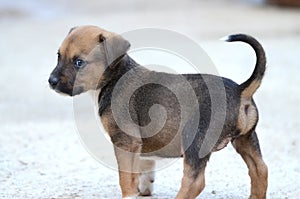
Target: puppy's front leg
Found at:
x=127, y=155
x=127, y=151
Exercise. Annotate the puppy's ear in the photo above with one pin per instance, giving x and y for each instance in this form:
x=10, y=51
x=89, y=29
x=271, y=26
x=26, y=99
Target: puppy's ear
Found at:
x=71, y=30
x=115, y=46
x=101, y=38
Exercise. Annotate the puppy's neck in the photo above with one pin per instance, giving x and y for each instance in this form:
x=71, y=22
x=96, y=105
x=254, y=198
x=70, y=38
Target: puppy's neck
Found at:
x=117, y=69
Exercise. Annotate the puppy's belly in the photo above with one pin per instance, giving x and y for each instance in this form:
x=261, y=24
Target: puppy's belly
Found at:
x=164, y=148
x=153, y=157
x=159, y=156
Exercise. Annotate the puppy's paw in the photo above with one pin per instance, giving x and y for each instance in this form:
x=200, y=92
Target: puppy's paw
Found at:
x=146, y=184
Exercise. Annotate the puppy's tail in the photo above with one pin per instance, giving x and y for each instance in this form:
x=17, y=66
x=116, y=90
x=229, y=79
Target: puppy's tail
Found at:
x=249, y=87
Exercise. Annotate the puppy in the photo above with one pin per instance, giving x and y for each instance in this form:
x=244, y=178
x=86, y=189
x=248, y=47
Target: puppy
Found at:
x=91, y=58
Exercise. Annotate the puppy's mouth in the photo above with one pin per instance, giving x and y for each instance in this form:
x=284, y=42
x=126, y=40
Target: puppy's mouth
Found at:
x=68, y=91
x=77, y=91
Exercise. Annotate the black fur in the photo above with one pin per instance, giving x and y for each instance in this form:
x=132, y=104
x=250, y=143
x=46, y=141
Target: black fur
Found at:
x=260, y=66
x=151, y=94
x=222, y=111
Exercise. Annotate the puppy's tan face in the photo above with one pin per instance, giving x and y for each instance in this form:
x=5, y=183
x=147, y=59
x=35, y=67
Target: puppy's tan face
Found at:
x=83, y=57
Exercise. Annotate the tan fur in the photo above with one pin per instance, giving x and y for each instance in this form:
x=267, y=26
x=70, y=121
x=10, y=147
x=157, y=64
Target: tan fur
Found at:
x=222, y=144
x=109, y=123
x=248, y=114
x=83, y=42
x=127, y=151
x=75, y=45
x=247, y=119
x=99, y=49
x=127, y=156
x=250, y=90
x=258, y=170
x=191, y=186
x=129, y=184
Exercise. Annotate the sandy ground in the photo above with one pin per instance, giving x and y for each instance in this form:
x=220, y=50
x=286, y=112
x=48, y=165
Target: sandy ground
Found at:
x=41, y=155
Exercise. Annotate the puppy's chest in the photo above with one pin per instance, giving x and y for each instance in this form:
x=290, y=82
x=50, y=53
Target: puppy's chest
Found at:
x=104, y=98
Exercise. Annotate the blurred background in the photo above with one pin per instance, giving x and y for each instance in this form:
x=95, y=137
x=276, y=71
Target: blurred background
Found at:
x=41, y=155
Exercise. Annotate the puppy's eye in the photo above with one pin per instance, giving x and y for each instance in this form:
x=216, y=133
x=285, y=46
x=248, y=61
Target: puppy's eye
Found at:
x=79, y=63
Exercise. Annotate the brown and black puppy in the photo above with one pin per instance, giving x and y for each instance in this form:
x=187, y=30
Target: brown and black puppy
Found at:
x=91, y=58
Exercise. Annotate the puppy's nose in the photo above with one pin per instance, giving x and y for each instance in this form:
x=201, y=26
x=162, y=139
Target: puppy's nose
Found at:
x=53, y=81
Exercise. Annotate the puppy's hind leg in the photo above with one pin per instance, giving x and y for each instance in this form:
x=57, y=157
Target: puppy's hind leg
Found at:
x=248, y=147
x=146, y=177
x=193, y=181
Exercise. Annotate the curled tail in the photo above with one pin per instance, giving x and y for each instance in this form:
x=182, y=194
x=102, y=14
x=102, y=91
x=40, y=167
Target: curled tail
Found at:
x=249, y=87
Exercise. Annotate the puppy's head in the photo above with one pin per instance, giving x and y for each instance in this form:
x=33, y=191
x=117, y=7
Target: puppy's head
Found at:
x=83, y=57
